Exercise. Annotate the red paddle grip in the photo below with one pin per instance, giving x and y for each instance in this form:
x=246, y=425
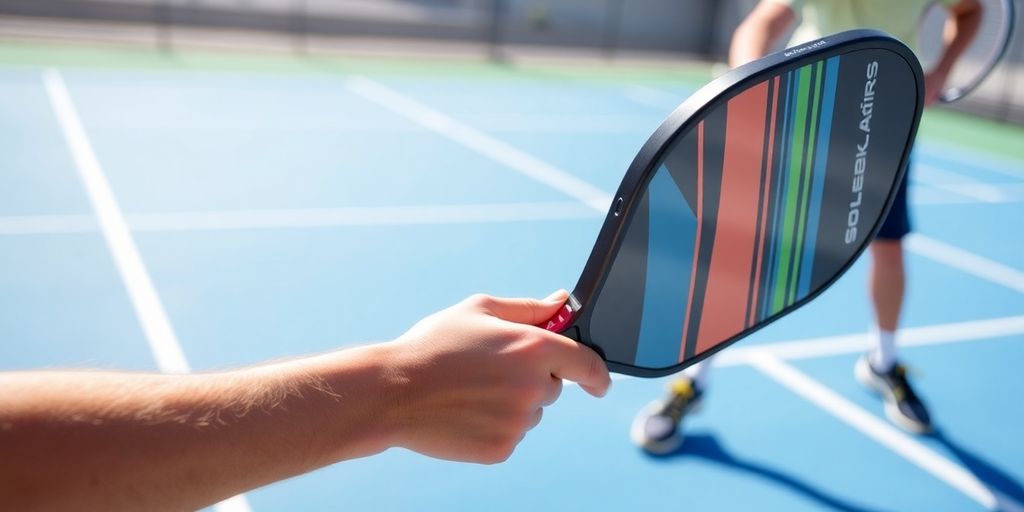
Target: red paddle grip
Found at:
x=560, y=321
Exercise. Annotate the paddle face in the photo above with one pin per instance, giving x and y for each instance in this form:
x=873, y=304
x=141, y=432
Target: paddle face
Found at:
x=752, y=198
x=995, y=21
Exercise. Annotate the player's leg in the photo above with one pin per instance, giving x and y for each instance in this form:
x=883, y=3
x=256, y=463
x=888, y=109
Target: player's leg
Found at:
x=880, y=369
x=886, y=284
x=658, y=427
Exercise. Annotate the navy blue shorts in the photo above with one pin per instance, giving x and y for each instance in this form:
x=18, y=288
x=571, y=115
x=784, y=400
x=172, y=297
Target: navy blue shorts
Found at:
x=897, y=224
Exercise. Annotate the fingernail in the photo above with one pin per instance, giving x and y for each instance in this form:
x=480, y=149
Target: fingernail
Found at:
x=558, y=296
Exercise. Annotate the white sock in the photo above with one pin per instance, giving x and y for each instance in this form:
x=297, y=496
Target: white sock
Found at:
x=883, y=357
x=699, y=374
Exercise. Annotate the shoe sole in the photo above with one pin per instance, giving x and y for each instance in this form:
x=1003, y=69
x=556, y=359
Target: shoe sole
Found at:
x=868, y=379
x=652, y=446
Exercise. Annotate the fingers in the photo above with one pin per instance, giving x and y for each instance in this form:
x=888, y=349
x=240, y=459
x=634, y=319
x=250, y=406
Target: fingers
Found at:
x=577, y=362
x=569, y=359
x=535, y=419
x=523, y=310
x=552, y=393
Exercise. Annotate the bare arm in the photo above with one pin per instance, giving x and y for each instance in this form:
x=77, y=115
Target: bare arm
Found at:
x=463, y=384
x=114, y=441
x=960, y=28
x=759, y=32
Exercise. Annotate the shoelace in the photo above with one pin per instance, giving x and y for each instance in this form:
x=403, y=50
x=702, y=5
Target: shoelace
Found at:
x=901, y=388
x=680, y=398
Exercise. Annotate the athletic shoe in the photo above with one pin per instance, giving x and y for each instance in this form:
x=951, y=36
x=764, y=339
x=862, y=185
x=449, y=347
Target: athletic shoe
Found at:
x=902, y=405
x=657, y=428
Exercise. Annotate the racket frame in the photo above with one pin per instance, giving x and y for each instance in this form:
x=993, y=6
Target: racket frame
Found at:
x=684, y=118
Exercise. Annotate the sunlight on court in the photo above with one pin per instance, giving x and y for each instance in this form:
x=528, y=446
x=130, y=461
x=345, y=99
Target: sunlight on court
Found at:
x=201, y=209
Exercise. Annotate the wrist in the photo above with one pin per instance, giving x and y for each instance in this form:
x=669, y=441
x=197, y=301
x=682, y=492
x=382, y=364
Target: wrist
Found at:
x=357, y=390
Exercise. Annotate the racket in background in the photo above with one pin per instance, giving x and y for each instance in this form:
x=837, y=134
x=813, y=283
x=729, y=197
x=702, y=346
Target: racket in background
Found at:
x=981, y=56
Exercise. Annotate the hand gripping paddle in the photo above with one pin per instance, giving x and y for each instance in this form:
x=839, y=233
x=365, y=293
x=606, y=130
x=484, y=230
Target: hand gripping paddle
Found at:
x=752, y=198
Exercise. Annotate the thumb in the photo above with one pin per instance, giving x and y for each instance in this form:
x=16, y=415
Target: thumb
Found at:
x=526, y=310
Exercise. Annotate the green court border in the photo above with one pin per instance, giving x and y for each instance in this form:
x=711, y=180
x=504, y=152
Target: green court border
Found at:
x=964, y=130
x=125, y=57
x=939, y=125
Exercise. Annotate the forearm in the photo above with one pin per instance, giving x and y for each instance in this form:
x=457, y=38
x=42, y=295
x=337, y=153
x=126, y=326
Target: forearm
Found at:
x=959, y=30
x=132, y=441
x=759, y=32
x=748, y=44
x=464, y=384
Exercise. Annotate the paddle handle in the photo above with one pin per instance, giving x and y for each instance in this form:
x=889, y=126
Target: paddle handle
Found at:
x=560, y=321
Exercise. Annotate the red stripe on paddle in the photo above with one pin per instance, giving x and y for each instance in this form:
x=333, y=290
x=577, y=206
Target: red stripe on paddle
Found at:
x=728, y=285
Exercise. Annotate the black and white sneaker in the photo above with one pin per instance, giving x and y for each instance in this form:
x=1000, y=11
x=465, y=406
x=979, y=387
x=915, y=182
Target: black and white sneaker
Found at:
x=902, y=405
x=657, y=428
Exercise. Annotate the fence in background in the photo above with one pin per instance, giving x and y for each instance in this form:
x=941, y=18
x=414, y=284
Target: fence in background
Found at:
x=608, y=28
x=608, y=25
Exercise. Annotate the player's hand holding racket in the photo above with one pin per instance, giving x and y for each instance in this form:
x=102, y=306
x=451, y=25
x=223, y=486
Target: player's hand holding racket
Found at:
x=474, y=378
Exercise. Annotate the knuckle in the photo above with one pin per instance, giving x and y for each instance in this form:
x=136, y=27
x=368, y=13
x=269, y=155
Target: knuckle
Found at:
x=532, y=395
x=555, y=391
x=536, y=418
x=540, y=346
x=497, y=458
x=520, y=424
x=480, y=300
x=595, y=366
x=505, y=450
x=497, y=453
x=510, y=425
x=524, y=344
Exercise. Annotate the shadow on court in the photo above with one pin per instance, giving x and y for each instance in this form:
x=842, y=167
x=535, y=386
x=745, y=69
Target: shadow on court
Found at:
x=1004, y=486
x=706, y=446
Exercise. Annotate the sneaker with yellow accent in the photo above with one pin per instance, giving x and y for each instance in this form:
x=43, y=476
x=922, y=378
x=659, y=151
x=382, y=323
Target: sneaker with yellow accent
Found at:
x=657, y=428
x=902, y=404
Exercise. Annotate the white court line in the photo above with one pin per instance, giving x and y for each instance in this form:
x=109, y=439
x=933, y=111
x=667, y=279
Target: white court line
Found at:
x=926, y=195
x=159, y=333
x=129, y=263
x=966, y=186
x=47, y=224
x=576, y=124
x=922, y=194
x=971, y=159
x=827, y=346
x=854, y=343
x=307, y=217
x=930, y=174
x=959, y=184
x=1001, y=193
x=883, y=433
x=482, y=143
x=362, y=216
x=966, y=261
x=654, y=97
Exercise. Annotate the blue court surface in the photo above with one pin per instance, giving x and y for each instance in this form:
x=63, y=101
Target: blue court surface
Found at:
x=300, y=205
